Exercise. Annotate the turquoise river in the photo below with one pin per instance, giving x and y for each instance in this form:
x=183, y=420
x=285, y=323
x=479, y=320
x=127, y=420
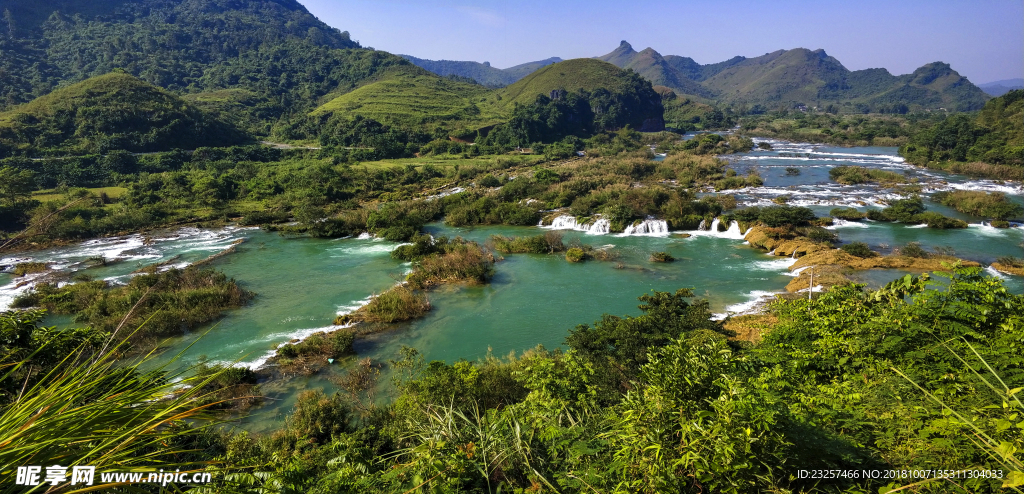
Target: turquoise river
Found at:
x=302, y=284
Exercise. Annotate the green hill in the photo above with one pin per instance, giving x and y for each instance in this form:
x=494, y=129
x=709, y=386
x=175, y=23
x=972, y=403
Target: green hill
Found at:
x=785, y=75
x=113, y=111
x=571, y=75
x=413, y=97
x=273, y=48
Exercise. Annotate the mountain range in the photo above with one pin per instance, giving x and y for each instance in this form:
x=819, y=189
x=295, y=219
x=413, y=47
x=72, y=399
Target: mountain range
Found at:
x=783, y=77
x=269, y=67
x=999, y=88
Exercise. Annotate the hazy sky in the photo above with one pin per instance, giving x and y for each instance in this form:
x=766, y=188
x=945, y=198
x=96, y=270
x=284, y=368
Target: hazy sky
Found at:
x=981, y=39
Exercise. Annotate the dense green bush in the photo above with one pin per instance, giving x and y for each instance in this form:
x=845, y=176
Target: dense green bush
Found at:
x=859, y=249
x=848, y=214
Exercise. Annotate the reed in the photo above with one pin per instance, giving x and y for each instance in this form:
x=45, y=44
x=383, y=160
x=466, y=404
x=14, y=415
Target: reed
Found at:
x=400, y=303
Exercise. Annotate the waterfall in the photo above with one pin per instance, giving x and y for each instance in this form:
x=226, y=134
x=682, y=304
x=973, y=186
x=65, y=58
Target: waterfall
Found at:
x=564, y=222
x=647, y=227
x=598, y=226
x=733, y=232
x=703, y=225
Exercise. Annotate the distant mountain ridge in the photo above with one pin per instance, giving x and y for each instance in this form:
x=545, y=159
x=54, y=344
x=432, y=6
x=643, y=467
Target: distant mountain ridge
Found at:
x=802, y=77
x=999, y=88
x=482, y=73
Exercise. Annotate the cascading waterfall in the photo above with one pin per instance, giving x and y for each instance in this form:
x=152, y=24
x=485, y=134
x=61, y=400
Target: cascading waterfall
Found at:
x=599, y=226
x=647, y=227
x=703, y=225
x=733, y=232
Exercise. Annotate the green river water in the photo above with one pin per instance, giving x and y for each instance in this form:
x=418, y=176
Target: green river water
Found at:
x=302, y=284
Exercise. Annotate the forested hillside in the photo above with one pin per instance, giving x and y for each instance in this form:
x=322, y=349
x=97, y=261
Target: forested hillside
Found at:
x=110, y=112
x=274, y=48
x=994, y=136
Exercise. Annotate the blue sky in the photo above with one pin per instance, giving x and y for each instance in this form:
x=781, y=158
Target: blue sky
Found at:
x=981, y=39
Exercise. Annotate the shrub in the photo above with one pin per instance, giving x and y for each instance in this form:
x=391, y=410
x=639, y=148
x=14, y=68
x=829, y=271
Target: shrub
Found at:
x=21, y=269
x=317, y=417
x=848, y=214
x=490, y=181
x=936, y=220
x=986, y=204
x=903, y=210
x=859, y=249
x=1000, y=224
x=776, y=216
x=913, y=249
x=575, y=254
x=399, y=303
x=789, y=170
x=321, y=346
x=462, y=262
x=548, y=243
x=662, y=257
x=821, y=235
x=851, y=175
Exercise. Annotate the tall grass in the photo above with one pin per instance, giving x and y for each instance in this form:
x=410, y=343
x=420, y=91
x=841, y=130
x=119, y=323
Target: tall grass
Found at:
x=400, y=303
x=463, y=263
x=93, y=410
x=547, y=243
x=992, y=428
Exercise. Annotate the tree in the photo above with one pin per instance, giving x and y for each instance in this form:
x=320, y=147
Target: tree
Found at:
x=15, y=185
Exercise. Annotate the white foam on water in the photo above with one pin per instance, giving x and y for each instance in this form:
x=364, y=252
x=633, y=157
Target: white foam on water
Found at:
x=595, y=226
x=297, y=335
x=733, y=232
x=364, y=236
x=376, y=246
x=838, y=223
x=923, y=225
x=796, y=272
x=986, y=230
x=649, y=227
x=756, y=297
x=778, y=264
x=995, y=272
x=354, y=306
x=983, y=185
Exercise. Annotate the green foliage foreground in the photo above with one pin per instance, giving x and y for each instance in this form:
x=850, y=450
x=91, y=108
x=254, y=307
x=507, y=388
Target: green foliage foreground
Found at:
x=921, y=374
